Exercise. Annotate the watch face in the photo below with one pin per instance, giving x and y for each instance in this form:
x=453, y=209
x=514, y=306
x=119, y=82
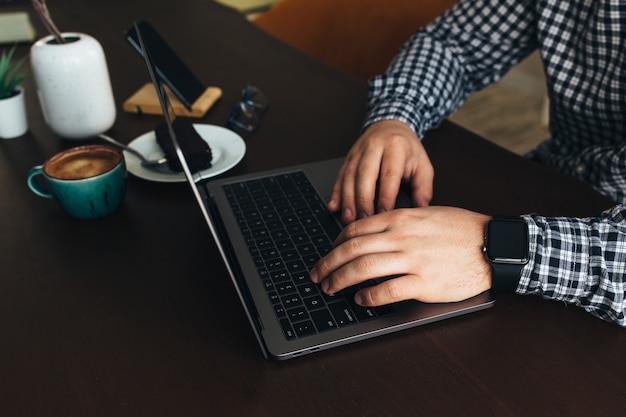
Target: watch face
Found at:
x=507, y=241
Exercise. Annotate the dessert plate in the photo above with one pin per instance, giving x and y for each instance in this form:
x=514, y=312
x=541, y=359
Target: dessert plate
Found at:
x=227, y=147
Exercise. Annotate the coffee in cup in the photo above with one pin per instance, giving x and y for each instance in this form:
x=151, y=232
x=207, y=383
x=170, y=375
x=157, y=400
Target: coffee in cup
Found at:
x=87, y=181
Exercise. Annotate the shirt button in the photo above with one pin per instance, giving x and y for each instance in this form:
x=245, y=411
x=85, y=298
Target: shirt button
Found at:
x=580, y=169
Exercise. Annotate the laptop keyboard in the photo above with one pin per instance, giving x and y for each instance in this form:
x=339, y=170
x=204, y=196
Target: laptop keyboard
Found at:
x=288, y=229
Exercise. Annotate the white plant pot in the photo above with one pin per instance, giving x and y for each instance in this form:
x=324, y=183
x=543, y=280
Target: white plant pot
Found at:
x=13, y=116
x=73, y=85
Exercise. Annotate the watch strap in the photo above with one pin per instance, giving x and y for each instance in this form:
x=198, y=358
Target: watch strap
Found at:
x=505, y=277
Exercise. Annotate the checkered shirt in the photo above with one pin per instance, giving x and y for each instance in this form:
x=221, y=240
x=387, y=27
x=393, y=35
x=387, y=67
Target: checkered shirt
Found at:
x=583, y=47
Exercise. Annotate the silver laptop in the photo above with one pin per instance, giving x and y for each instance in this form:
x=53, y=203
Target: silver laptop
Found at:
x=271, y=228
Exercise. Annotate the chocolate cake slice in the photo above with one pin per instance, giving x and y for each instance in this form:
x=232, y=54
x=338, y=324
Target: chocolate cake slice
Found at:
x=197, y=152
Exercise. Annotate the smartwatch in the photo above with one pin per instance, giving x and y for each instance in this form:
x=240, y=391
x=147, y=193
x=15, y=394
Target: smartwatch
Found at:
x=506, y=250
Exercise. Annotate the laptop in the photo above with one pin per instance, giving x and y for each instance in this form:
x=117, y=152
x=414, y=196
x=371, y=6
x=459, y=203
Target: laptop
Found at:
x=270, y=229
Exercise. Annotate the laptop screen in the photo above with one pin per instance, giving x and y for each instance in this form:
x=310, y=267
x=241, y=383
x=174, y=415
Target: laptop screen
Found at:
x=167, y=109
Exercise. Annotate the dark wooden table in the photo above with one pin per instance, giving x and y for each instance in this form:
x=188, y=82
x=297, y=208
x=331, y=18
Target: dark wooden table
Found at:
x=134, y=315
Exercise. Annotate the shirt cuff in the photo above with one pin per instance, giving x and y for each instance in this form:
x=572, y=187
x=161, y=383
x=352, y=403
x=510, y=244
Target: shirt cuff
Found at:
x=396, y=111
x=524, y=286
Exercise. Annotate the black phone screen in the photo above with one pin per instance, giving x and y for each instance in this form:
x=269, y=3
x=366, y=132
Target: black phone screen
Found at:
x=169, y=67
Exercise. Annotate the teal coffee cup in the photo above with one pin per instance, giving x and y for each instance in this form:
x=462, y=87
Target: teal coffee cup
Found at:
x=87, y=181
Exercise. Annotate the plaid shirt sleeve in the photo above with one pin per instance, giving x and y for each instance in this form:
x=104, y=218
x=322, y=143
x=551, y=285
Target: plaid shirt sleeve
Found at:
x=580, y=261
x=467, y=48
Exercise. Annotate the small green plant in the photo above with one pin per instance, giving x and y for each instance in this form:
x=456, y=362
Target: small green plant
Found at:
x=10, y=76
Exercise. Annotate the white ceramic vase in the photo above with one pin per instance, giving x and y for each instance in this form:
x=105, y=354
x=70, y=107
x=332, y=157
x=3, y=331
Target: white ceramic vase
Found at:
x=73, y=85
x=13, y=116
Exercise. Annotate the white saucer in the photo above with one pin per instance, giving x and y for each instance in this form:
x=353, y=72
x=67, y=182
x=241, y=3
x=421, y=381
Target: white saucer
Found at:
x=228, y=149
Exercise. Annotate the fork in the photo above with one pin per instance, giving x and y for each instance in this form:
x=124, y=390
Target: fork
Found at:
x=145, y=162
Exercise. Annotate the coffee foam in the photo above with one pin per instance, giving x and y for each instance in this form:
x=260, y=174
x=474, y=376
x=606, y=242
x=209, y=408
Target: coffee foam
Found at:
x=82, y=162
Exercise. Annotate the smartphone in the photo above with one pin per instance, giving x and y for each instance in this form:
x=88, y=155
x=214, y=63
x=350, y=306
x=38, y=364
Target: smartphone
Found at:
x=169, y=67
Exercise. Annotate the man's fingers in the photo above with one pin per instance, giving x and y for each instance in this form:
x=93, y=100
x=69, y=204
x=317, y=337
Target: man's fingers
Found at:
x=393, y=290
x=359, y=269
x=391, y=174
x=367, y=175
x=422, y=183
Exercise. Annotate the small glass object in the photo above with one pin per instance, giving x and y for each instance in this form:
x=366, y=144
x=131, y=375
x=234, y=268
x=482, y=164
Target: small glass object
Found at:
x=246, y=114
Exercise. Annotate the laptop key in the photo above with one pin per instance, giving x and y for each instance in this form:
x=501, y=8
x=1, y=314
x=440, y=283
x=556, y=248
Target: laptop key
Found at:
x=296, y=266
x=310, y=260
x=321, y=241
x=280, y=311
x=264, y=243
x=323, y=320
x=285, y=244
x=304, y=328
x=386, y=310
x=306, y=249
x=297, y=314
x=274, y=298
x=275, y=264
x=308, y=289
x=276, y=226
x=360, y=312
x=260, y=233
x=269, y=253
x=314, y=302
x=300, y=277
x=286, y=325
x=258, y=262
x=291, y=300
x=263, y=273
x=278, y=233
x=324, y=250
x=342, y=314
x=329, y=224
x=300, y=239
x=268, y=285
x=315, y=230
x=285, y=288
x=279, y=276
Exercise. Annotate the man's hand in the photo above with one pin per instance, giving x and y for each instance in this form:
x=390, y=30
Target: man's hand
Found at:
x=388, y=151
x=436, y=252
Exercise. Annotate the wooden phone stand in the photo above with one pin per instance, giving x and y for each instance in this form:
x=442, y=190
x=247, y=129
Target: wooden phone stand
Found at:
x=145, y=100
